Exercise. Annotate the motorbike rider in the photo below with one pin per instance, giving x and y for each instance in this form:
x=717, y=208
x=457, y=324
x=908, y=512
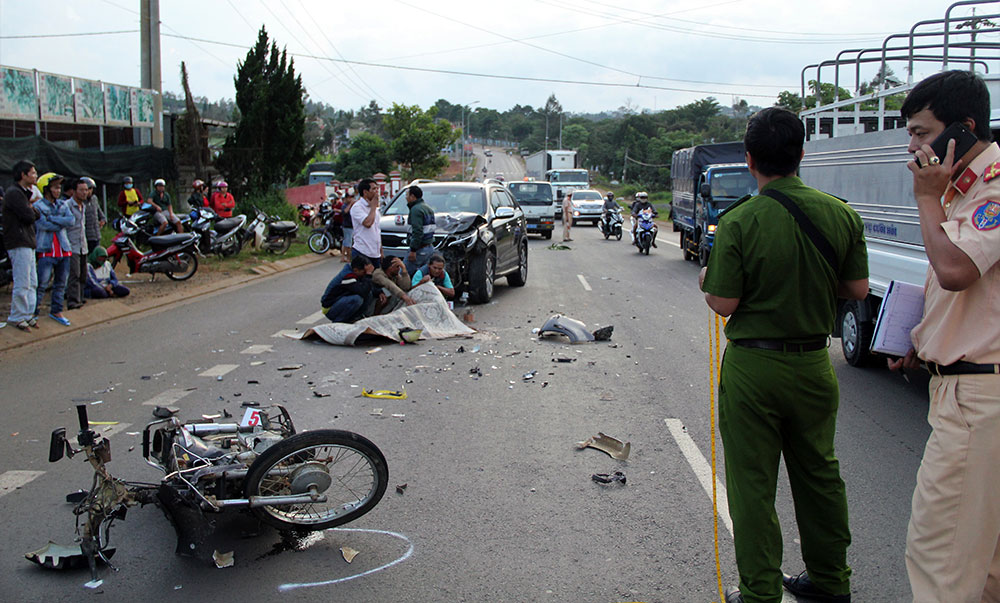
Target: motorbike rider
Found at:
x=129, y=199
x=641, y=203
x=160, y=201
x=198, y=198
x=222, y=200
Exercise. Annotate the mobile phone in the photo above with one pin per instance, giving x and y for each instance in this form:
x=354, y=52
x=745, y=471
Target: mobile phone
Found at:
x=964, y=139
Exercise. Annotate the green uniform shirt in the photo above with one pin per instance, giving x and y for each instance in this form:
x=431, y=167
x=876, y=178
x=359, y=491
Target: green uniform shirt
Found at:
x=761, y=255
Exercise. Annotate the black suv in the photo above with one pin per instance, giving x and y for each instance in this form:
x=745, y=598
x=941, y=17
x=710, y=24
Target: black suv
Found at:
x=481, y=232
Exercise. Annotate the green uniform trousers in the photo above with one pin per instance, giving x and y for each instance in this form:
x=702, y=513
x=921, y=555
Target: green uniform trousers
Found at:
x=774, y=403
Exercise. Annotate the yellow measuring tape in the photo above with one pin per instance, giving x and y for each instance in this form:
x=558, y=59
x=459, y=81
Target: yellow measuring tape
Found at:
x=714, y=360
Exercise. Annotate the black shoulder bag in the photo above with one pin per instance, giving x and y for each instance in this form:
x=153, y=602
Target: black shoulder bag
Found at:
x=807, y=226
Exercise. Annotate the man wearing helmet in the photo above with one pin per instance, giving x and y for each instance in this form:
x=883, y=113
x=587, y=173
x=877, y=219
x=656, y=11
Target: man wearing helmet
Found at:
x=95, y=216
x=160, y=200
x=129, y=199
x=198, y=198
x=222, y=201
x=642, y=202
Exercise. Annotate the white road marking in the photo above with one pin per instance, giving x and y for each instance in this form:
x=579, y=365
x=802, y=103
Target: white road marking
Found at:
x=287, y=333
x=583, y=281
x=258, y=349
x=167, y=398
x=12, y=480
x=219, y=370
x=677, y=245
x=312, y=319
x=702, y=470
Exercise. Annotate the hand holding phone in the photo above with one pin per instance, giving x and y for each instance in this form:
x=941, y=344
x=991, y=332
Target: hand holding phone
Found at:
x=964, y=139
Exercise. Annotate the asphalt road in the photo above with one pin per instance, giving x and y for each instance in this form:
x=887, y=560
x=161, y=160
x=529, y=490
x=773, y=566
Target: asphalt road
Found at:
x=511, y=166
x=499, y=504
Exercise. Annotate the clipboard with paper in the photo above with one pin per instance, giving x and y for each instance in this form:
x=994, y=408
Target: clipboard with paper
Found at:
x=901, y=310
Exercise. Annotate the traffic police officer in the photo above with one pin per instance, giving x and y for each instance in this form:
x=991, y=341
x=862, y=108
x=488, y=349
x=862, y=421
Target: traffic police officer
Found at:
x=953, y=538
x=778, y=393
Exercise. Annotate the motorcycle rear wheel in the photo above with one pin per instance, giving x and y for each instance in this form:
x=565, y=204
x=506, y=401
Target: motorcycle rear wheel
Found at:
x=282, y=247
x=319, y=242
x=357, y=468
x=191, y=261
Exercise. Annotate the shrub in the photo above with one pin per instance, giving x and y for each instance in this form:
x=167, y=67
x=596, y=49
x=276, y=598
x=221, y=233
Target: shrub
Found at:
x=271, y=202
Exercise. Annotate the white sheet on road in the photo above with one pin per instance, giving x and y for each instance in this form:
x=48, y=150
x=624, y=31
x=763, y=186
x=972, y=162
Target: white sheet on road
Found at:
x=430, y=313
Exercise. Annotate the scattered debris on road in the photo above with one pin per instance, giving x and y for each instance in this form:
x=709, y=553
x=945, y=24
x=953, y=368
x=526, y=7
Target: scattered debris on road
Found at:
x=290, y=367
x=223, y=559
x=611, y=446
x=609, y=478
x=400, y=488
x=384, y=394
x=348, y=553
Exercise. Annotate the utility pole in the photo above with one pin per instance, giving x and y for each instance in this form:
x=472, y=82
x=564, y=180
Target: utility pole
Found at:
x=625, y=166
x=149, y=20
x=560, y=129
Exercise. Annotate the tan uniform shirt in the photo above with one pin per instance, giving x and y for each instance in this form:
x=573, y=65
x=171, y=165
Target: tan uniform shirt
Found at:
x=397, y=286
x=965, y=325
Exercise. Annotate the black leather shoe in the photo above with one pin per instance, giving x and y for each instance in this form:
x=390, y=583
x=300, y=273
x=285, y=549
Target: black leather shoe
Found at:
x=802, y=586
x=733, y=595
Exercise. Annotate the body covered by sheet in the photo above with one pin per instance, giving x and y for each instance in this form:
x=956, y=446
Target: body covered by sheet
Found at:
x=430, y=313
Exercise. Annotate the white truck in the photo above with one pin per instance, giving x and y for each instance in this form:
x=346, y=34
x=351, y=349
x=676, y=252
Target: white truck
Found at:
x=861, y=155
x=537, y=164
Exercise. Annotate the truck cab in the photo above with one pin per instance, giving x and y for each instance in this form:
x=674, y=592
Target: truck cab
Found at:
x=538, y=202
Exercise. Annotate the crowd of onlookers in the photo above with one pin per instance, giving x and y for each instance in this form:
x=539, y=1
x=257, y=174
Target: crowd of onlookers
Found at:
x=52, y=235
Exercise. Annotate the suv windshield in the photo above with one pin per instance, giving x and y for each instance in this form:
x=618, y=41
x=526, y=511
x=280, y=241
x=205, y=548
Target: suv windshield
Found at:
x=587, y=196
x=532, y=193
x=442, y=199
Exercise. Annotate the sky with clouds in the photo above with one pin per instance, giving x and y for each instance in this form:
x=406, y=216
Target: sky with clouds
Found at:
x=605, y=54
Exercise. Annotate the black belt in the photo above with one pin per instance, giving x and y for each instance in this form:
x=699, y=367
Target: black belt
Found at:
x=963, y=368
x=780, y=345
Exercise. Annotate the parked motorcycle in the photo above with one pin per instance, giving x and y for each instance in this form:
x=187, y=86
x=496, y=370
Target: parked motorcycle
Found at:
x=307, y=481
x=611, y=224
x=269, y=233
x=221, y=236
x=645, y=231
x=307, y=214
x=174, y=255
x=147, y=226
x=330, y=236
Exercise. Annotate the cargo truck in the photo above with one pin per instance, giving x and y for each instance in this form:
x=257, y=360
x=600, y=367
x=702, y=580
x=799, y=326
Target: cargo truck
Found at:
x=860, y=155
x=705, y=180
x=537, y=164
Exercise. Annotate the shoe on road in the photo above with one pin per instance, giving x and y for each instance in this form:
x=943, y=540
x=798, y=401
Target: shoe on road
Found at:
x=60, y=319
x=802, y=586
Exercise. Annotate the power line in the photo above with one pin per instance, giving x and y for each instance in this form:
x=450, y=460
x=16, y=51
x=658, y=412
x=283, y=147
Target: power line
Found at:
x=492, y=75
x=71, y=35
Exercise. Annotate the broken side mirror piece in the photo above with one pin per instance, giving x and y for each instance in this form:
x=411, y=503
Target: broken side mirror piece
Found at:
x=57, y=445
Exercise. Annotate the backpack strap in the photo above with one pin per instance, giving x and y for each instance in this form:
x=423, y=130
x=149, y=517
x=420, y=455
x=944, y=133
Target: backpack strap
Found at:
x=807, y=226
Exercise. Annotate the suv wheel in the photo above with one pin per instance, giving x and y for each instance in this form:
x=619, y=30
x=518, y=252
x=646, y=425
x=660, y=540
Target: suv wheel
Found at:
x=519, y=277
x=481, y=274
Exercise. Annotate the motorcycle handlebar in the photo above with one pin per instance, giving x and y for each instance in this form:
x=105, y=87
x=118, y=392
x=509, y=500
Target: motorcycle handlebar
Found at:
x=81, y=413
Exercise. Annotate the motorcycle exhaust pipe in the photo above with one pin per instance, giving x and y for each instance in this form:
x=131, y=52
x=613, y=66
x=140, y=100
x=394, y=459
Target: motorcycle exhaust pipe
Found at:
x=255, y=502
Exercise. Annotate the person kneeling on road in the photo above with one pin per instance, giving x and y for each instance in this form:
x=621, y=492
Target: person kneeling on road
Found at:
x=434, y=271
x=348, y=296
x=394, y=280
x=102, y=282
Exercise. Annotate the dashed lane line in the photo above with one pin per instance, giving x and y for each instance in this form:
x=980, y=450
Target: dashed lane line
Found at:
x=312, y=319
x=258, y=349
x=12, y=480
x=583, y=281
x=219, y=370
x=167, y=398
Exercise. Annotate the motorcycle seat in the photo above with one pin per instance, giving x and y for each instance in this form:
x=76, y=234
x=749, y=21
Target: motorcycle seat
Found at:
x=164, y=241
x=227, y=224
x=282, y=226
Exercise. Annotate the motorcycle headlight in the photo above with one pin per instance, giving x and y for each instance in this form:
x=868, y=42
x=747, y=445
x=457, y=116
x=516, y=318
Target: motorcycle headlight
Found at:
x=711, y=228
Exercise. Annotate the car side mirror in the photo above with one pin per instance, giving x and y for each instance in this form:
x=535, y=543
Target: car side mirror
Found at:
x=505, y=212
x=706, y=193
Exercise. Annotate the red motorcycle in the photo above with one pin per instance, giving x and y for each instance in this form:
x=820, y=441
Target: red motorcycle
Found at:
x=307, y=213
x=174, y=255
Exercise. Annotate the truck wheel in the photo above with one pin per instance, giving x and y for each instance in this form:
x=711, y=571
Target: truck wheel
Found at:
x=703, y=256
x=855, y=336
x=688, y=256
x=481, y=274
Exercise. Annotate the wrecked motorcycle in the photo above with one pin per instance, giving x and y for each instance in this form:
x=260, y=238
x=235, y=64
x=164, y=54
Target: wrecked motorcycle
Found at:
x=292, y=481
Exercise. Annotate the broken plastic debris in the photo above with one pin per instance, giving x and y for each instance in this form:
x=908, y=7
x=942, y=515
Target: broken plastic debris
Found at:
x=613, y=447
x=162, y=412
x=609, y=478
x=348, y=553
x=400, y=488
x=529, y=375
x=59, y=556
x=607, y=396
x=460, y=350
x=604, y=333
x=384, y=394
x=476, y=371
x=93, y=583
x=223, y=559
x=374, y=350
x=476, y=349
x=320, y=394
x=563, y=359
x=97, y=402
x=376, y=412
x=258, y=362
x=290, y=367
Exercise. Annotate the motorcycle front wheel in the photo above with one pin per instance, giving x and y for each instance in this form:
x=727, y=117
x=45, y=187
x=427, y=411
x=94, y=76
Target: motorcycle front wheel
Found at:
x=319, y=242
x=343, y=466
x=190, y=263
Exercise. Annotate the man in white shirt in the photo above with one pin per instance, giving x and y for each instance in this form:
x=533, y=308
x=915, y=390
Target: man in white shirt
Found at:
x=365, y=216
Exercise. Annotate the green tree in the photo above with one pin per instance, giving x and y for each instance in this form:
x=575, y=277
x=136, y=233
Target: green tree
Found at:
x=268, y=144
x=789, y=100
x=416, y=140
x=574, y=135
x=367, y=154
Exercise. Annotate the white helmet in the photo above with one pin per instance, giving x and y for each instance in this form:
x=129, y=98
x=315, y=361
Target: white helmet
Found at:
x=641, y=195
x=160, y=182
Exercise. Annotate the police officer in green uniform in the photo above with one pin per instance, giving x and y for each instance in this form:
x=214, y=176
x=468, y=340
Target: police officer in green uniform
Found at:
x=778, y=393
